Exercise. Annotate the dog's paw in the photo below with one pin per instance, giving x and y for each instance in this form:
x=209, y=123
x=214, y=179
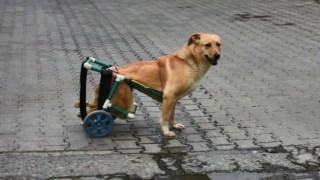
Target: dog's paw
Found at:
x=169, y=133
x=178, y=126
x=92, y=103
x=77, y=104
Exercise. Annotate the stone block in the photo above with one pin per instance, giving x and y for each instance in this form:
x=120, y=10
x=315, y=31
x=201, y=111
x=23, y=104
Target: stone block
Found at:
x=219, y=141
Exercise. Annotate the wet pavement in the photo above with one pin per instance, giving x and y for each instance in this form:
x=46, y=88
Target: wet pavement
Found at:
x=254, y=116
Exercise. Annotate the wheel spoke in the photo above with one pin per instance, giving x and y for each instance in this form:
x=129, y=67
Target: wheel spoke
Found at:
x=90, y=123
x=105, y=121
x=108, y=123
x=98, y=116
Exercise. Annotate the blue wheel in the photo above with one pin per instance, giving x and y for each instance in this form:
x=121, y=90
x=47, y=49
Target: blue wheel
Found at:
x=98, y=123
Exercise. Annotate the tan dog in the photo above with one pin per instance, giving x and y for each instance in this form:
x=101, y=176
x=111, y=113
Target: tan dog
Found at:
x=176, y=75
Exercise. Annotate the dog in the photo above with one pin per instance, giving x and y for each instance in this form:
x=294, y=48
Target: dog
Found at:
x=175, y=75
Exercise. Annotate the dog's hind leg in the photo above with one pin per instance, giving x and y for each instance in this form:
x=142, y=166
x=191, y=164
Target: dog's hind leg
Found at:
x=123, y=98
x=92, y=104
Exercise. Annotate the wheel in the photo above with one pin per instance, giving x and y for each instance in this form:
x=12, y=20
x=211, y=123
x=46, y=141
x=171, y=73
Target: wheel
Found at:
x=98, y=123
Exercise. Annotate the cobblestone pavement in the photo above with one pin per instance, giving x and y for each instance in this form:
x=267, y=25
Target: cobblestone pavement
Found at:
x=263, y=97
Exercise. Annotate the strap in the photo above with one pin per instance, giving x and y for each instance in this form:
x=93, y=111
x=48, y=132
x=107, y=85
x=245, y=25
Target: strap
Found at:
x=83, y=88
x=157, y=95
x=105, y=86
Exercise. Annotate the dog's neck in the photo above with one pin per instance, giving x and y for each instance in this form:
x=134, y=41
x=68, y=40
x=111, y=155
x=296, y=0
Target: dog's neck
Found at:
x=187, y=54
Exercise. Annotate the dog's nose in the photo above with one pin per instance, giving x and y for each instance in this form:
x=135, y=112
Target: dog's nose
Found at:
x=216, y=56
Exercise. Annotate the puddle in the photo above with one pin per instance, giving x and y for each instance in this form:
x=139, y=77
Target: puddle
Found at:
x=191, y=177
x=284, y=24
x=170, y=163
x=177, y=166
x=245, y=17
x=241, y=176
x=185, y=7
x=262, y=176
x=248, y=16
x=245, y=176
x=308, y=3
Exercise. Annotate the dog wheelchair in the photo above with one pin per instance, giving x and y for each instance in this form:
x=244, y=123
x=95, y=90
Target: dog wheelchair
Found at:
x=99, y=123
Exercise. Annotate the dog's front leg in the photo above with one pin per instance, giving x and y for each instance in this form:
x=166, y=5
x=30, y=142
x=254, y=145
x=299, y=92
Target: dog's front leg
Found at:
x=168, y=106
x=172, y=120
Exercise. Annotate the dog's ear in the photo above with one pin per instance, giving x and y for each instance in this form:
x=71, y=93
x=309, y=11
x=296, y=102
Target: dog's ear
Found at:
x=194, y=39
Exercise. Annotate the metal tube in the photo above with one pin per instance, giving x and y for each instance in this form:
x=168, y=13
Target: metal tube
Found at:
x=101, y=63
x=113, y=90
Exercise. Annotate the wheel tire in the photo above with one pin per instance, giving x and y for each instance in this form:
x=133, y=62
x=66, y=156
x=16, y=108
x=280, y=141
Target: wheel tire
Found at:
x=98, y=123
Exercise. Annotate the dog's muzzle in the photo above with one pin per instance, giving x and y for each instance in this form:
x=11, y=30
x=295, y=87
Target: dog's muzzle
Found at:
x=214, y=59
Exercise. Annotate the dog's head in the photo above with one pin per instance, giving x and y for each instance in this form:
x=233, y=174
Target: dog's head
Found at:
x=206, y=47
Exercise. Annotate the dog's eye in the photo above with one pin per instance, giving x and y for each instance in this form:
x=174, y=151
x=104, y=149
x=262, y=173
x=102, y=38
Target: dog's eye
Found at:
x=218, y=44
x=208, y=45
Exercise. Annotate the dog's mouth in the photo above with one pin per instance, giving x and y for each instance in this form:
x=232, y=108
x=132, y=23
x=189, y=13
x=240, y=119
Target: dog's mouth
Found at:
x=213, y=60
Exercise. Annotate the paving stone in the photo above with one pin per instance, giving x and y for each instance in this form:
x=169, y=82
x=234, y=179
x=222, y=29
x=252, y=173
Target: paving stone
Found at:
x=69, y=128
x=225, y=147
x=207, y=126
x=317, y=151
x=199, y=146
x=55, y=141
x=201, y=120
x=154, y=114
x=146, y=131
x=269, y=144
x=149, y=139
x=313, y=141
x=130, y=151
x=196, y=113
x=212, y=133
x=232, y=129
x=264, y=138
x=190, y=130
x=291, y=149
x=256, y=130
x=190, y=107
x=174, y=146
x=307, y=157
x=224, y=122
x=121, y=128
x=77, y=136
x=122, y=135
x=238, y=135
x=245, y=144
x=195, y=138
x=54, y=148
x=126, y=144
x=79, y=145
x=8, y=129
x=152, y=148
x=219, y=141
x=140, y=124
x=247, y=124
x=29, y=146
